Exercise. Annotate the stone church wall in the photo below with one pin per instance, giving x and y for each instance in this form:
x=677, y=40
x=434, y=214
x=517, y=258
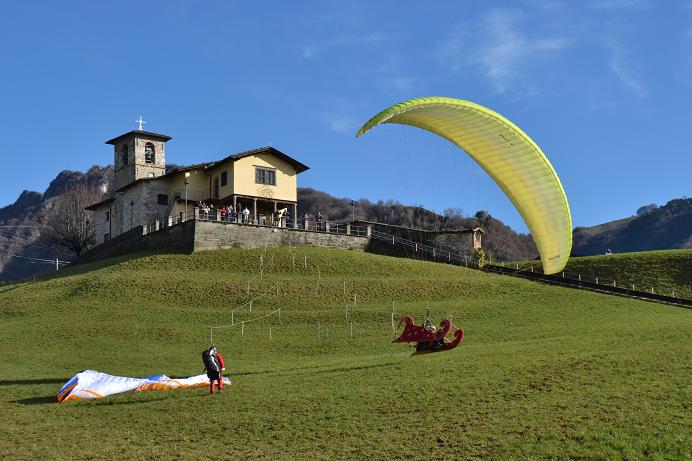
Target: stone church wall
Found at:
x=124, y=217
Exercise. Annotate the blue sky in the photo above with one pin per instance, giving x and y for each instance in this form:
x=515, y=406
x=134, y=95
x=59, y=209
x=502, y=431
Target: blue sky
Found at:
x=604, y=87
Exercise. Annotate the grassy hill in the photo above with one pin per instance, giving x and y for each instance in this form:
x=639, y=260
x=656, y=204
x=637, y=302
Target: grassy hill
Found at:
x=544, y=372
x=667, y=271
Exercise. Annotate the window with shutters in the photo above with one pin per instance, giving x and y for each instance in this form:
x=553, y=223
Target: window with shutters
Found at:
x=265, y=176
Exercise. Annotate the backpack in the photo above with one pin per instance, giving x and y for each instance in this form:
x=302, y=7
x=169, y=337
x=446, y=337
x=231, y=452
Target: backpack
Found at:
x=209, y=362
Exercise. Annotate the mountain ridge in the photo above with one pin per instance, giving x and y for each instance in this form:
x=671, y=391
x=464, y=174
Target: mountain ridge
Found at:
x=652, y=228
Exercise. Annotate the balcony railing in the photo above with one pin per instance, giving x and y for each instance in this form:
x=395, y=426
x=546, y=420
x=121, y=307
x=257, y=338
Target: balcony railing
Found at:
x=310, y=225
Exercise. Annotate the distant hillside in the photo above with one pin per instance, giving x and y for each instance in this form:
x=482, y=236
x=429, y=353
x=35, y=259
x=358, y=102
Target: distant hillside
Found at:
x=653, y=228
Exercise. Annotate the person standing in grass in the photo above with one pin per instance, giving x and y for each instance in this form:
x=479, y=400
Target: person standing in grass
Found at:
x=214, y=366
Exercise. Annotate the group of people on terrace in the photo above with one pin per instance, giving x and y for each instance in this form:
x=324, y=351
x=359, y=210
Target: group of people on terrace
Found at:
x=242, y=215
x=226, y=213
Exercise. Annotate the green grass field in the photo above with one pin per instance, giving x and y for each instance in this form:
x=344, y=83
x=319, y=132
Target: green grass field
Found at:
x=544, y=372
x=669, y=272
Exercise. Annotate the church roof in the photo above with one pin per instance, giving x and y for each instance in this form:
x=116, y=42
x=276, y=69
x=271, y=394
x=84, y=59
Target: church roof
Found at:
x=94, y=206
x=203, y=166
x=268, y=150
x=149, y=134
x=260, y=150
x=181, y=169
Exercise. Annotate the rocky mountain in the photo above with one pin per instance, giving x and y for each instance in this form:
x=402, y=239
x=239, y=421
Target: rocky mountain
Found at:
x=23, y=252
x=652, y=228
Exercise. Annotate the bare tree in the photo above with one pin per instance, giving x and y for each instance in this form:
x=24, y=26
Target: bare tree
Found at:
x=69, y=223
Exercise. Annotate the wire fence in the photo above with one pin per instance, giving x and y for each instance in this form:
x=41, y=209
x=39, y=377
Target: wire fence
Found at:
x=609, y=284
x=427, y=252
x=311, y=225
x=600, y=280
x=355, y=319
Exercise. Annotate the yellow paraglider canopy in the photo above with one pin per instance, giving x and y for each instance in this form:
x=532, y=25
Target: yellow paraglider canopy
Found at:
x=508, y=155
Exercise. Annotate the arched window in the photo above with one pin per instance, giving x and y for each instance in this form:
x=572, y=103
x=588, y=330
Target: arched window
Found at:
x=124, y=155
x=149, y=153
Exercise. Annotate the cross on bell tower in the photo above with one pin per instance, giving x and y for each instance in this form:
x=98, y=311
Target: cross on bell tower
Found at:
x=141, y=122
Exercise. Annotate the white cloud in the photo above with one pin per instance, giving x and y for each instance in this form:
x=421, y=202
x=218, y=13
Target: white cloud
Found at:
x=618, y=4
x=403, y=83
x=344, y=125
x=508, y=48
x=500, y=47
x=309, y=52
x=452, y=49
x=623, y=73
x=626, y=77
x=370, y=39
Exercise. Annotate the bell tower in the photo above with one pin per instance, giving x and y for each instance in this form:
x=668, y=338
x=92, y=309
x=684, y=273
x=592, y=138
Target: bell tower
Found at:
x=138, y=154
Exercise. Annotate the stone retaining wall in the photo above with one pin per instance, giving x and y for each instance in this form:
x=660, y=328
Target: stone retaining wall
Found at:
x=194, y=235
x=215, y=235
x=175, y=239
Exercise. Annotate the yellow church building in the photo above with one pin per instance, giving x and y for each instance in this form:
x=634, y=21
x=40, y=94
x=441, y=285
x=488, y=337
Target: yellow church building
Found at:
x=263, y=180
